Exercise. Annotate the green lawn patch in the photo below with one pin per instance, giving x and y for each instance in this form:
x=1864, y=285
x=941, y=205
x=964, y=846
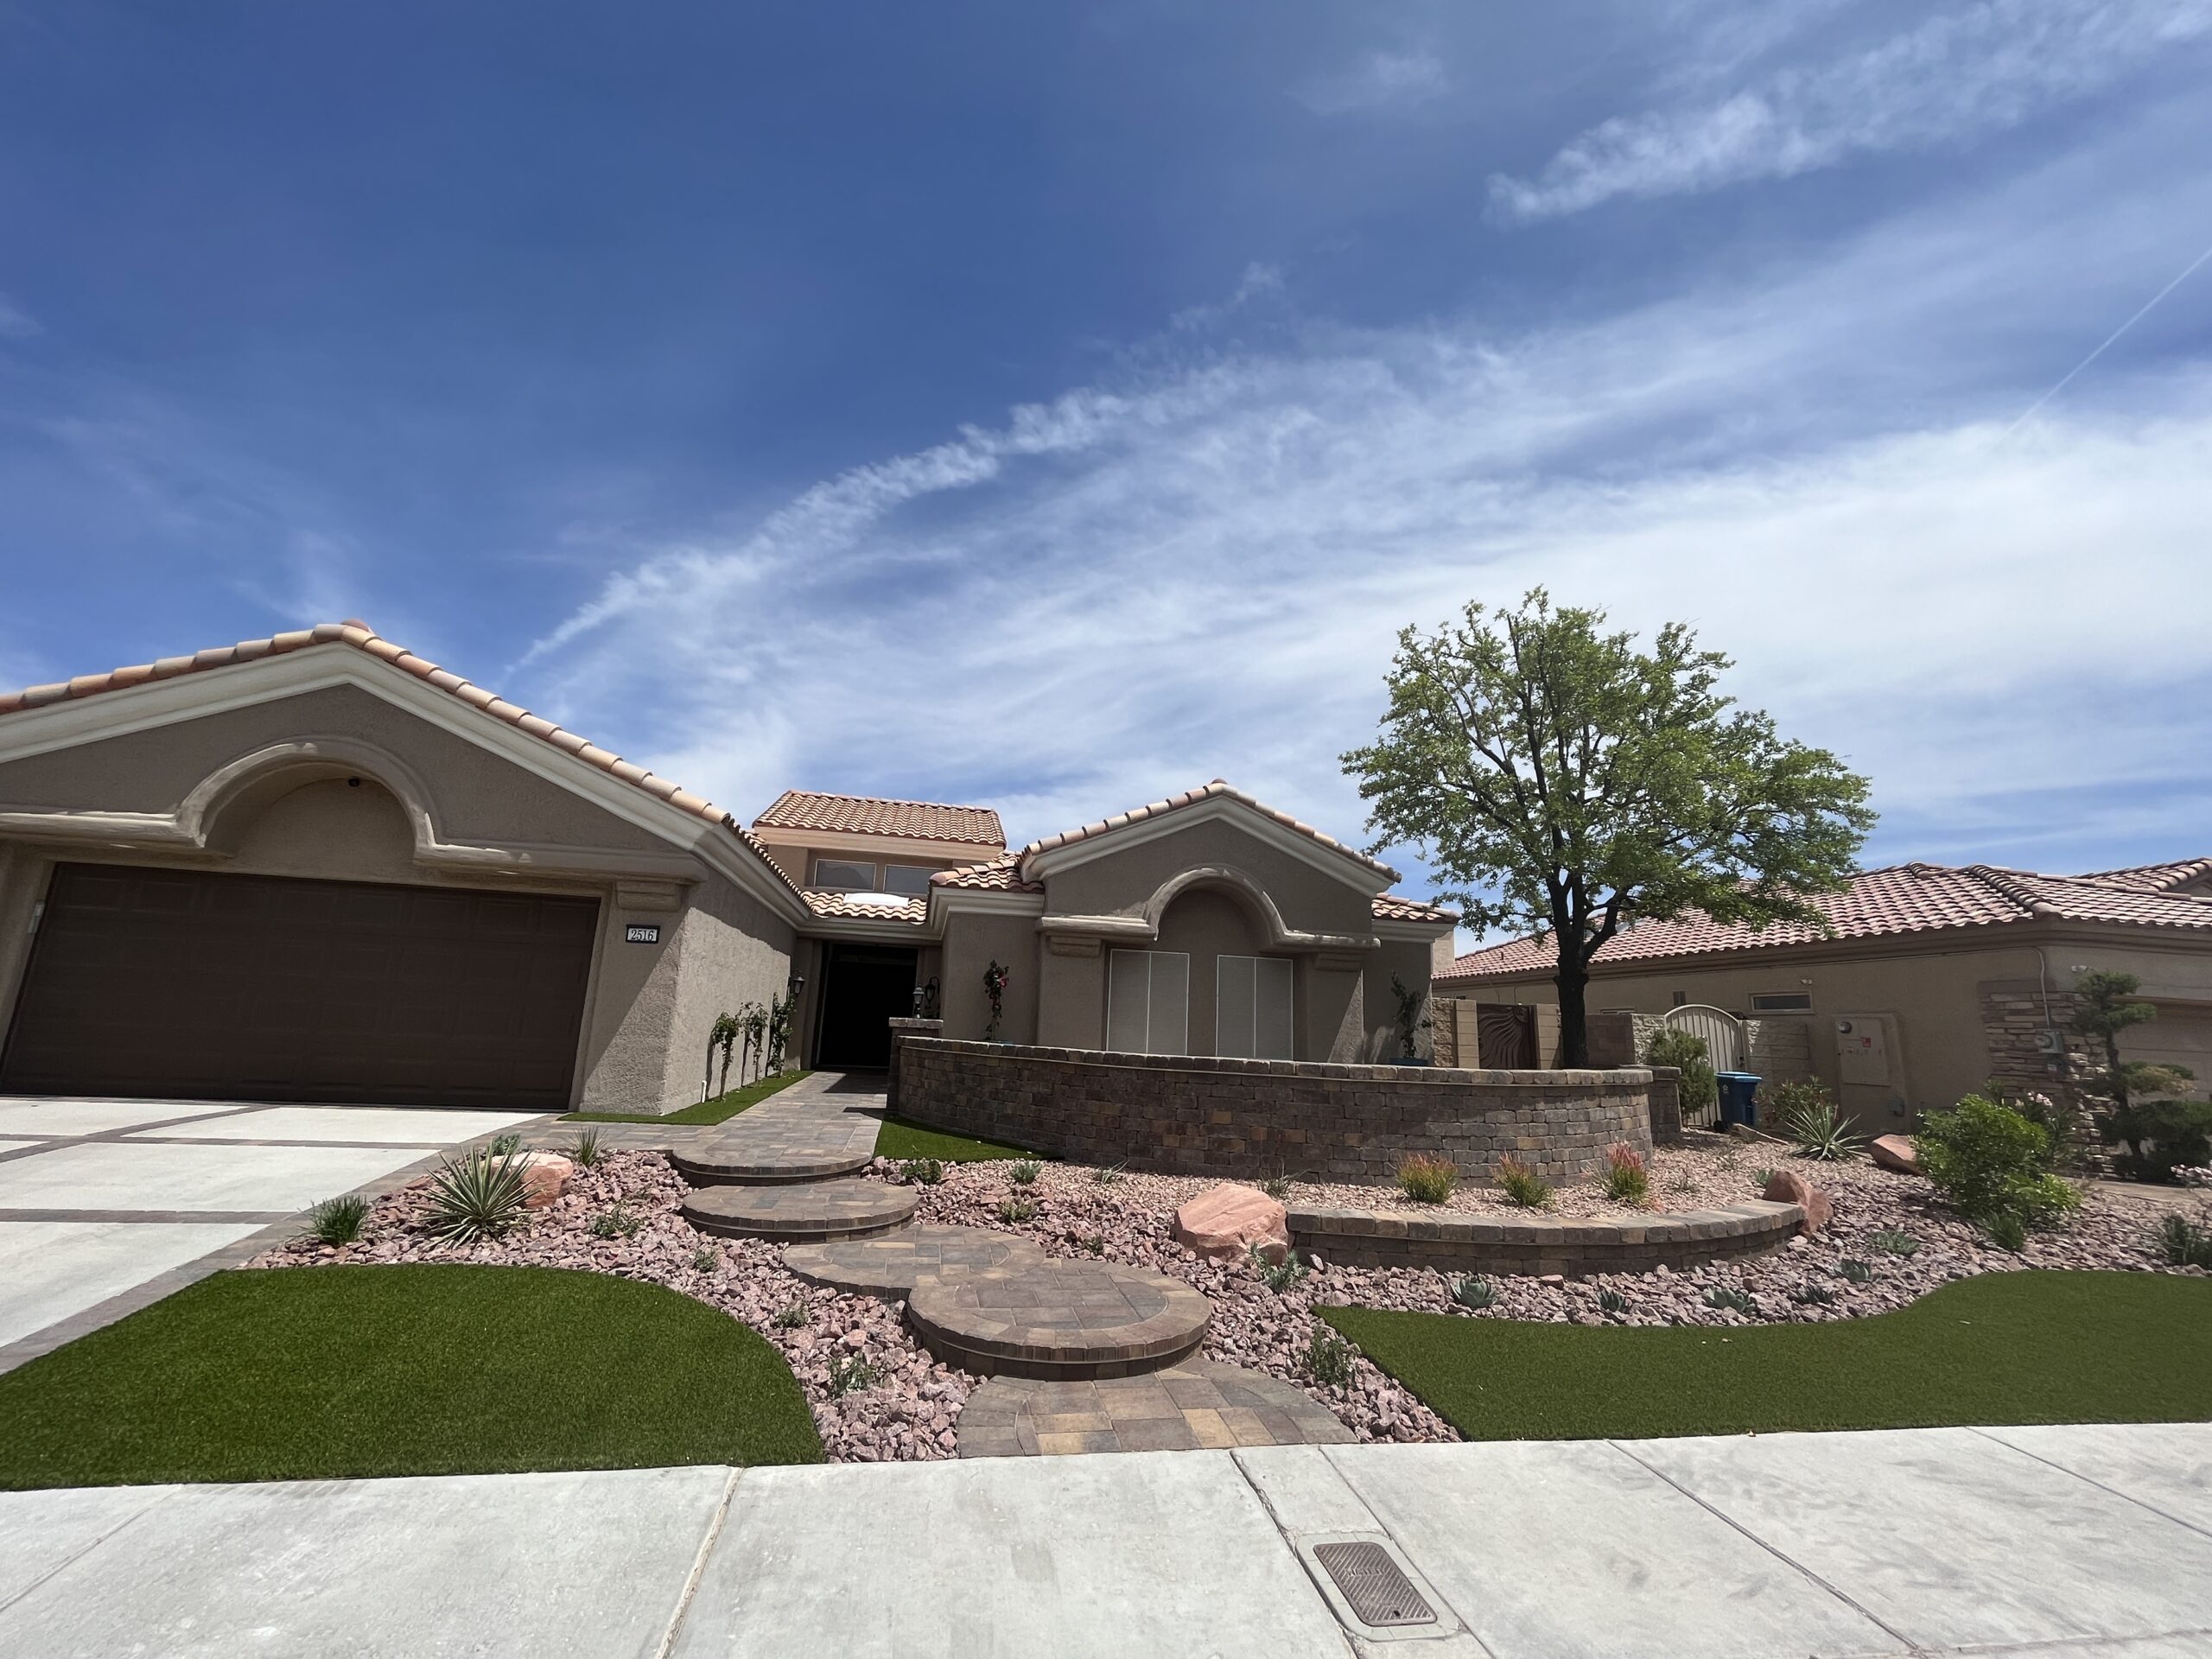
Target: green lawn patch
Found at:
x=2002, y=1347
x=719, y=1109
x=900, y=1139
x=325, y=1373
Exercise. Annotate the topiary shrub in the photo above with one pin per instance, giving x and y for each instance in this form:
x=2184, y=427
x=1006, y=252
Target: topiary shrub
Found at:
x=1697, y=1089
x=1988, y=1161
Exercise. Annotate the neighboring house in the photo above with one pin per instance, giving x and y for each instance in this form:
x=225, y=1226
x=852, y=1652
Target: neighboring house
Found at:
x=1932, y=980
x=320, y=867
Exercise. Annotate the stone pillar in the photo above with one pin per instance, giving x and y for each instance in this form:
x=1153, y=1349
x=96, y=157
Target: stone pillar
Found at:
x=1666, y=1096
x=902, y=1030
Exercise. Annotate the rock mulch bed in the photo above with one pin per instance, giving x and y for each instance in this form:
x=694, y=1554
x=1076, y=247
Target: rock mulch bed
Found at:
x=911, y=1409
x=908, y=1412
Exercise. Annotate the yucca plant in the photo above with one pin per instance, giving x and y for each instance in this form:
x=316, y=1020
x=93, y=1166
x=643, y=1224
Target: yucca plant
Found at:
x=1611, y=1301
x=585, y=1153
x=1109, y=1175
x=477, y=1196
x=1819, y=1131
x=336, y=1221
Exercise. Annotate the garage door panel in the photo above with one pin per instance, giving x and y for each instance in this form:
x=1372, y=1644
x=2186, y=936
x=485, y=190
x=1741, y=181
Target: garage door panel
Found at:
x=219, y=986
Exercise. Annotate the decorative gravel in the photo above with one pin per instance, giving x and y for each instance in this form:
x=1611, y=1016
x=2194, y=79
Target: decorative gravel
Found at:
x=909, y=1410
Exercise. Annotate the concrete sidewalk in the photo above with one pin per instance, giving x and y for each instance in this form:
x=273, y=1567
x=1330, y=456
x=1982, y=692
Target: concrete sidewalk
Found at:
x=2072, y=1542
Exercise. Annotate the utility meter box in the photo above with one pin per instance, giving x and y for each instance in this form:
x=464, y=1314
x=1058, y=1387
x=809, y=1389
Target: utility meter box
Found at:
x=1869, y=1072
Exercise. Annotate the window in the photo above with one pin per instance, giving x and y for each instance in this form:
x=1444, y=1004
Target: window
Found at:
x=913, y=879
x=1251, y=1008
x=1780, y=1001
x=1148, y=1003
x=844, y=876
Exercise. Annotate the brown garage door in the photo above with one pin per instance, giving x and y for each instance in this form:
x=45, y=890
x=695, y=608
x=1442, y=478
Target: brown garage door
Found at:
x=175, y=983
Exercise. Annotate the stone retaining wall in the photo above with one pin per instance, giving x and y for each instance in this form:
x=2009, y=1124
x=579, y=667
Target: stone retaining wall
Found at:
x=1462, y=1243
x=1204, y=1116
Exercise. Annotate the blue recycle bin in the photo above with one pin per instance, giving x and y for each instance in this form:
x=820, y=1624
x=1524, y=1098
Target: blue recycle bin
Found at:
x=1738, y=1091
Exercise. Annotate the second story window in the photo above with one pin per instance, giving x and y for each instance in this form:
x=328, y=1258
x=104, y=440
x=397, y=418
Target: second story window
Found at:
x=912, y=879
x=845, y=875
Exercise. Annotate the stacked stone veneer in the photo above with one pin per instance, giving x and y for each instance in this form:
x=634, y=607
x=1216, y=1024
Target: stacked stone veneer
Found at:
x=1205, y=1117
x=1455, y=1243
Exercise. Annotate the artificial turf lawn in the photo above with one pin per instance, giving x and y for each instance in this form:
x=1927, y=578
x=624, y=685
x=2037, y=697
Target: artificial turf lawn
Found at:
x=900, y=1139
x=719, y=1109
x=320, y=1373
x=2029, y=1347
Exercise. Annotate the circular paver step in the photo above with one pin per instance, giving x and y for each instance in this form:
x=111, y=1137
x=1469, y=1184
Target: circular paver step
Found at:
x=1194, y=1405
x=707, y=1162
x=841, y=1209
x=1059, y=1319
x=893, y=1264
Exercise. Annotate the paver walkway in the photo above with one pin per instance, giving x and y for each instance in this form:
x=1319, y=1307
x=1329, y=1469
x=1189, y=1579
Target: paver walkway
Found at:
x=1200, y=1404
x=2028, y=1543
x=822, y=1125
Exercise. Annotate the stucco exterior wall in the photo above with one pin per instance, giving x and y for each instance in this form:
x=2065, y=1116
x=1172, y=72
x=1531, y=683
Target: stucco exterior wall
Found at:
x=1120, y=881
x=973, y=941
x=728, y=952
x=1207, y=1116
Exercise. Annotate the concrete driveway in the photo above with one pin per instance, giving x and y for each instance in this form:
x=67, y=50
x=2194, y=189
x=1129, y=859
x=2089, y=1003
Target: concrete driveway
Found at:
x=106, y=1205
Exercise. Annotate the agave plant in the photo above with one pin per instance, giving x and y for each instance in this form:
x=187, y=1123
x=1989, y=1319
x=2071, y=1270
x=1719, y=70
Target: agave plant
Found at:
x=477, y=1196
x=1820, y=1132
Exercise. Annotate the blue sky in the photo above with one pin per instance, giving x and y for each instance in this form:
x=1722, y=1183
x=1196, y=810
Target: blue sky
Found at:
x=1056, y=407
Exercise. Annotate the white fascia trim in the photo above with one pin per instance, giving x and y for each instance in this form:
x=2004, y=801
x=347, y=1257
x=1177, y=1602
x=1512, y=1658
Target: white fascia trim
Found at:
x=981, y=901
x=846, y=927
x=1102, y=927
x=878, y=848
x=270, y=679
x=1422, y=931
x=1343, y=866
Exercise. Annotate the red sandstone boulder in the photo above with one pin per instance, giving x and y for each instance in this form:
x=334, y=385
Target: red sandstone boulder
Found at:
x=545, y=1177
x=1226, y=1222
x=1788, y=1187
x=1894, y=1152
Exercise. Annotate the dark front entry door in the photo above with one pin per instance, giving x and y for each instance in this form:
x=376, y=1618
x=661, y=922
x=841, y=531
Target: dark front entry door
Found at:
x=864, y=987
x=202, y=986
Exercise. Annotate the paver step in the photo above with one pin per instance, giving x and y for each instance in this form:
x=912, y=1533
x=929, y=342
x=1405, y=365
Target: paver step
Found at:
x=709, y=1163
x=819, y=1210
x=1059, y=1319
x=893, y=1263
x=1197, y=1405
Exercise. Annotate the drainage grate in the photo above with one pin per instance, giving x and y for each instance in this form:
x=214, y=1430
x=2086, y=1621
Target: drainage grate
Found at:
x=1377, y=1589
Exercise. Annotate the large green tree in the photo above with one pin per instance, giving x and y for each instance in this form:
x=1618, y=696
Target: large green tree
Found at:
x=1569, y=783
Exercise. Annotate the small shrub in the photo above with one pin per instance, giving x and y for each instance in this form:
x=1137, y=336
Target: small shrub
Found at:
x=1111, y=1174
x=1987, y=1160
x=1014, y=1208
x=1277, y=1276
x=1522, y=1185
x=1024, y=1172
x=1893, y=1241
x=1858, y=1272
x=1729, y=1296
x=1813, y=1294
x=1328, y=1358
x=478, y=1195
x=585, y=1153
x=620, y=1222
x=1095, y=1244
x=2162, y=1137
x=1809, y=1118
x=792, y=1318
x=1475, y=1293
x=922, y=1172
x=1698, y=1088
x=704, y=1260
x=1762, y=1176
x=850, y=1373
x=1611, y=1301
x=504, y=1146
x=1427, y=1179
x=336, y=1221
x=1628, y=1178
x=2184, y=1243
x=2007, y=1231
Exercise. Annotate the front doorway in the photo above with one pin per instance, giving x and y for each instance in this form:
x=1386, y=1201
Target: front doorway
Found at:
x=864, y=987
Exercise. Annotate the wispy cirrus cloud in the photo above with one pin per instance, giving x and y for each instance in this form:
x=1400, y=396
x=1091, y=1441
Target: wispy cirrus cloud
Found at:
x=1960, y=74
x=1382, y=80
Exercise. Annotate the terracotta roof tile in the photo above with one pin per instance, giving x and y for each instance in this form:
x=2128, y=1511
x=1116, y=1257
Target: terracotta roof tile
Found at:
x=847, y=907
x=1389, y=908
x=2154, y=878
x=1000, y=875
x=1906, y=898
x=362, y=638
x=1219, y=788
x=866, y=815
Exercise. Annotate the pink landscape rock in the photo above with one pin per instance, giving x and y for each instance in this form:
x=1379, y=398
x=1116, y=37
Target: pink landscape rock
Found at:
x=1788, y=1187
x=1226, y=1222
x=1895, y=1152
x=545, y=1177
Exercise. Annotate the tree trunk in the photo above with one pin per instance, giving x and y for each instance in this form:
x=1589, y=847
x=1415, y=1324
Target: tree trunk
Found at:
x=1574, y=1022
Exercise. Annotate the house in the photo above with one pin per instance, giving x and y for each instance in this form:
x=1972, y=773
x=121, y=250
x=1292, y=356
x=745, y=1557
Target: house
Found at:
x=318, y=866
x=1930, y=980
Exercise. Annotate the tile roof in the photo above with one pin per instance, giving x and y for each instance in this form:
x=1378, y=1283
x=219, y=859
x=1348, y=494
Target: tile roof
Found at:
x=844, y=907
x=1000, y=875
x=2154, y=878
x=362, y=638
x=1217, y=790
x=866, y=815
x=1389, y=908
x=1905, y=898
